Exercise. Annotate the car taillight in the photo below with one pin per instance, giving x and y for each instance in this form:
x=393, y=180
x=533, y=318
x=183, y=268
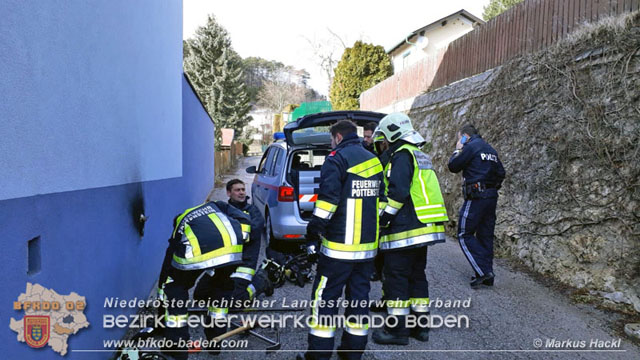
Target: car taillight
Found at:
x=285, y=194
x=292, y=236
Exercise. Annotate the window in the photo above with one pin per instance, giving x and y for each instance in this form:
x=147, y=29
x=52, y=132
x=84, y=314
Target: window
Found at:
x=405, y=59
x=268, y=164
x=263, y=160
x=275, y=169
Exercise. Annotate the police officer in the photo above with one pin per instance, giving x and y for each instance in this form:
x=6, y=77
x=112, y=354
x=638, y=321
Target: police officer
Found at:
x=345, y=228
x=412, y=219
x=482, y=174
x=208, y=237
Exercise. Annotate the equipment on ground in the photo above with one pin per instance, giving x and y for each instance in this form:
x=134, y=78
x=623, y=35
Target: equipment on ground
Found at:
x=294, y=268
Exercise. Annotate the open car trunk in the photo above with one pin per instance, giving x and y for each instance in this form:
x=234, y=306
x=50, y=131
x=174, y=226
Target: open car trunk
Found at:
x=310, y=139
x=304, y=175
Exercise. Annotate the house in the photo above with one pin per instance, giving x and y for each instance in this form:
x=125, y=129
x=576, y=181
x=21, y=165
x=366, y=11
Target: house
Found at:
x=427, y=40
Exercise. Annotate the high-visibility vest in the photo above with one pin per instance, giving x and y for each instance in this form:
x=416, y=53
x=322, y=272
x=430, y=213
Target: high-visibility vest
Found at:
x=427, y=200
x=205, y=237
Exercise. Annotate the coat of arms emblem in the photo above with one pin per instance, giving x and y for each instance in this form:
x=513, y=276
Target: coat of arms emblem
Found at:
x=36, y=330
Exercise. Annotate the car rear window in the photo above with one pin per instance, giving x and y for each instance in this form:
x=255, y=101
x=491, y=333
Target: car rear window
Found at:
x=318, y=135
x=309, y=159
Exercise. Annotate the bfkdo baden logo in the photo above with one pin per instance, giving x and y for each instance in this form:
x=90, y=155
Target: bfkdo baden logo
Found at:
x=49, y=318
x=36, y=330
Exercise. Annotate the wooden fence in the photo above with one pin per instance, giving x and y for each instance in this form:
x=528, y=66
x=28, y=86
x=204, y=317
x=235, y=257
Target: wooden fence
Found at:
x=226, y=158
x=527, y=27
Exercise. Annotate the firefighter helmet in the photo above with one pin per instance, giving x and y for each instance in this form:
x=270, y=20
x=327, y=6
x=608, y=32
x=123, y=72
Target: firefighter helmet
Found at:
x=397, y=126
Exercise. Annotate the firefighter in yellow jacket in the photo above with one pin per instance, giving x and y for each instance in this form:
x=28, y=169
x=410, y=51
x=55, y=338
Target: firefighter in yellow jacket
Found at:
x=206, y=238
x=411, y=219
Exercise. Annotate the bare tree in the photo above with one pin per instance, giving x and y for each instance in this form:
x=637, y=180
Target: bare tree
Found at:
x=327, y=52
x=276, y=94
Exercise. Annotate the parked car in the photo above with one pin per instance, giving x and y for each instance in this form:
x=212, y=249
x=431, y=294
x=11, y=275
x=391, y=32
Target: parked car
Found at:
x=287, y=179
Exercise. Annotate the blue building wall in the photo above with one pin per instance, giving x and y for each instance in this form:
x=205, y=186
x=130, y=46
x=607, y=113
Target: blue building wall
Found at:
x=89, y=89
x=86, y=138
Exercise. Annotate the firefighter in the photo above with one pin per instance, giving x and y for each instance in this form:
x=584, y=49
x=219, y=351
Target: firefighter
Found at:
x=206, y=238
x=380, y=149
x=482, y=174
x=412, y=219
x=344, y=232
x=243, y=274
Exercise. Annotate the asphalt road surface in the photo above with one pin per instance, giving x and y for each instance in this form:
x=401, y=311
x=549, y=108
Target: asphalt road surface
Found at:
x=519, y=318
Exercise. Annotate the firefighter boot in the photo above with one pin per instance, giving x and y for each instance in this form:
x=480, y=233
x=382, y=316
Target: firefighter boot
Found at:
x=398, y=335
x=384, y=337
x=421, y=331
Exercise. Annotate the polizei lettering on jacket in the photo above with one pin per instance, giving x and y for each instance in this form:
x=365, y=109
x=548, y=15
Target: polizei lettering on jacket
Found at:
x=365, y=188
x=194, y=214
x=490, y=157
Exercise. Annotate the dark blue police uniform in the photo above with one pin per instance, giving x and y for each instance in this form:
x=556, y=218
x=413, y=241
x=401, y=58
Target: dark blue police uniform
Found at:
x=483, y=174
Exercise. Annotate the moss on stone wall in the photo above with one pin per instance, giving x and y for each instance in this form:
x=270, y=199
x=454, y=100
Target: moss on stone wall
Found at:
x=566, y=122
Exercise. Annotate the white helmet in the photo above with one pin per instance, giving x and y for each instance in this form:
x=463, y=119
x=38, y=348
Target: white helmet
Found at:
x=397, y=126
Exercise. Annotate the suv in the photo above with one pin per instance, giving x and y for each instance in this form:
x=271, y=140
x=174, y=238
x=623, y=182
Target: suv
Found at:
x=287, y=178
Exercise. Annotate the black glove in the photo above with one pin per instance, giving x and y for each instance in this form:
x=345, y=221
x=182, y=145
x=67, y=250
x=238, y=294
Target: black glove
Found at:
x=385, y=219
x=261, y=283
x=314, y=229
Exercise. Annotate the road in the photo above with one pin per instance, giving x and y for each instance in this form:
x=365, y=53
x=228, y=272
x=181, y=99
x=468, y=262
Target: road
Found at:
x=505, y=322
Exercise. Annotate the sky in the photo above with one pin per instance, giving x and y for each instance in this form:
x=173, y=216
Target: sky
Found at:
x=283, y=29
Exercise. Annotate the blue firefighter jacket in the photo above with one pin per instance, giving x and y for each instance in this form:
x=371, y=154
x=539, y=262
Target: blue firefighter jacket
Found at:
x=346, y=211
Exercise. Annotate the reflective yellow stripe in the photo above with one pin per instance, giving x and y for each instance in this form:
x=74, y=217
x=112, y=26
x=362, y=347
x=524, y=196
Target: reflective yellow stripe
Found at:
x=357, y=222
x=398, y=303
x=245, y=270
x=322, y=331
x=366, y=169
x=245, y=227
x=378, y=222
x=357, y=329
x=218, y=310
x=224, y=232
x=398, y=311
x=251, y=290
x=218, y=313
x=193, y=240
x=327, y=206
x=317, y=296
x=349, y=247
x=356, y=325
x=209, y=255
x=382, y=205
x=413, y=233
x=419, y=301
x=371, y=171
x=395, y=204
x=161, y=294
x=179, y=219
